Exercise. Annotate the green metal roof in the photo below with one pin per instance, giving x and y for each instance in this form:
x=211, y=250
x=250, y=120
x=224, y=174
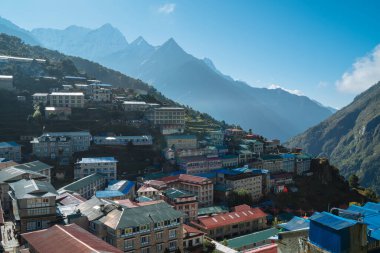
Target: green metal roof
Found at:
x=212, y=210
x=241, y=241
x=32, y=189
x=173, y=193
x=35, y=166
x=142, y=215
x=79, y=184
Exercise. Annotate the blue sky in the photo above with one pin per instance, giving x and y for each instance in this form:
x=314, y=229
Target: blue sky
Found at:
x=323, y=49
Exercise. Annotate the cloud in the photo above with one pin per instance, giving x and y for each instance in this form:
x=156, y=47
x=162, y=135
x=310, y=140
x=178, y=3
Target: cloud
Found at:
x=365, y=72
x=295, y=92
x=166, y=8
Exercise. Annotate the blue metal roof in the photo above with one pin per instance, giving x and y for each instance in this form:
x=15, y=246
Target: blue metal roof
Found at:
x=372, y=205
x=295, y=224
x=108, y=194
x=8, y=144
x=98, y=160
x=288, y=156
x=363, y=211
x=143, y=199
x=227, y=171
x=332, y=221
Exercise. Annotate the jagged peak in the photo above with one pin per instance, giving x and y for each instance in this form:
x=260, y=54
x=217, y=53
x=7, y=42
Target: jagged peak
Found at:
x=140, y=41
x=171, y=43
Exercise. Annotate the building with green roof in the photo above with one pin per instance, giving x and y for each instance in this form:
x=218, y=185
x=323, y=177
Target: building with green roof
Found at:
x=86, y=186
x=33, y=204
x=252, y=240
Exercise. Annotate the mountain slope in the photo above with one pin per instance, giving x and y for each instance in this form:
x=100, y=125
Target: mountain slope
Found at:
x=351, y=137
x=198, y=83
x=9, y=28
x=83, y=42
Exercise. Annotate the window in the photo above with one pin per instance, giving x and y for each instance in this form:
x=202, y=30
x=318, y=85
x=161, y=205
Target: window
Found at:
x=159, y=247
x=172, y=245
x=144, y=240
x=172, y=233
x=159, y=235
x=145, y=250
x=129, y=244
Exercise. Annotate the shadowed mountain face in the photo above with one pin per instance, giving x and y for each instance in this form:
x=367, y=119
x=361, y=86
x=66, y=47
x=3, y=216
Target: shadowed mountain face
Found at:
x=9, y=28
x=191, y=81
x=351, y=137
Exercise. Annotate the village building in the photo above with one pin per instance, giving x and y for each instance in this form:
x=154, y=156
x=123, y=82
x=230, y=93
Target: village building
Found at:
x=40, y=98
x=60, y=144
x=67, y=99
x=242, y=220
x=201, y=187
x=104, y=165
x=86, y=186
x=182, y=201
x=181, y=141
x=123, y=140
x=33, y=204
x=11, y=151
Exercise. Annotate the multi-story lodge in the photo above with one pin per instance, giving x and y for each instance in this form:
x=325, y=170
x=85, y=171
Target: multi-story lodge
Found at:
x=40, y=98
x=135, y=106
x=60, y=144
x=10, y=150
x=101, y=92
x=86, y=186
x=11, y=175
x=182, y=201
x=235, y=180
x=123, y=140
x=201, y=187
x=105, y=165
x=67, y=99
x=200, y=164
x=243, y=220
x=151, y=228
x=181, y=141
x=33, y=204
x=166, y=116
x=171, y=120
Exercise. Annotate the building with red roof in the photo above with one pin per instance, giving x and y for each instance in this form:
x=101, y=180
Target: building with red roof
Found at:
x=70, y=238
x=242, y=220
x=192, y=237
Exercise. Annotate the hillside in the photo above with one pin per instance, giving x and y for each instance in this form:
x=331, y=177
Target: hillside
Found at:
x=28, y=77
x=351, y=138
x=195, y=82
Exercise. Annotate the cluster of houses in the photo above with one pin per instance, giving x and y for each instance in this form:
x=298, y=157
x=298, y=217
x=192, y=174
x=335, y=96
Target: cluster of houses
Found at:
x=176, y=211
x=78, y=92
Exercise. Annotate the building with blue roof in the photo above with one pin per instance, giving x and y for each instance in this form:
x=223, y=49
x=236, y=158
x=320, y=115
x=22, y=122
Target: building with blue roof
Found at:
x=10, y=150
x=335, y=234
x=105, y=165
x=118, y=189
x=296, y=223
x=371, y=217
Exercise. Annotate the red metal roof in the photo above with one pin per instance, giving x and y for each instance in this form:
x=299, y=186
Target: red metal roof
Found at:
x=244, y=214
x=185, y=178
x=191, y=230
x=70, y=238
x=271, y=248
